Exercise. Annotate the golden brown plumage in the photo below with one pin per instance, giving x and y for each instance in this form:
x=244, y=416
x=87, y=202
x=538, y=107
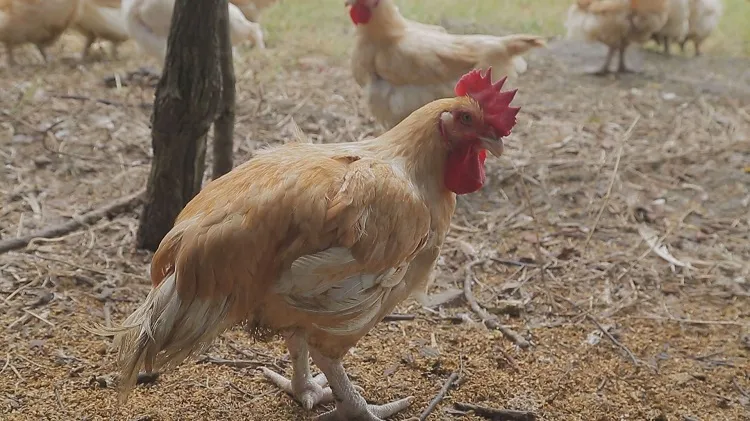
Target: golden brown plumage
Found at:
x=39, y=22
x=318, y=242
x=616, y=24
x=402, y=64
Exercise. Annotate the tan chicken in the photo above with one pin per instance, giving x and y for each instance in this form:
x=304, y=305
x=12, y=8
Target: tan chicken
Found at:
x=676, y=27
x=101, y=19
x=148, y=24
x=252, y=8
x=38, y=22
x=402, y=64
x=616, y=24
x=317, y=242
x=704, y=18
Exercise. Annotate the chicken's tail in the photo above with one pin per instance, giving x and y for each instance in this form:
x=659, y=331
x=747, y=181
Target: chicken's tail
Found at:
x=150, y=42
x=164, y=331
x=506, y=55
x=243, y=29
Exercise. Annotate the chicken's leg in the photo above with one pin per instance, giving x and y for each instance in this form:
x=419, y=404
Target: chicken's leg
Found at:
x=697, y=45
x=11, y=59
x=350, y=405
x=622, y=67
x=605, y=68
x=45, y=57
x=306, y=389
x=87, y=49
x=114, y=51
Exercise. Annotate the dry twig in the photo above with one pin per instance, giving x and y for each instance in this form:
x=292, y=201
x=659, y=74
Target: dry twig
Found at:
x=440, y=396
x=624, y=139
x=118, y=206
x=489, y=320
x=399, y=317
x=496, y=414
x=614, y=340
x=538, y=230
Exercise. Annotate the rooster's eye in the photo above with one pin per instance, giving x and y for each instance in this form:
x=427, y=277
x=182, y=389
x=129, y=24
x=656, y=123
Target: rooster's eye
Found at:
x=465, y=118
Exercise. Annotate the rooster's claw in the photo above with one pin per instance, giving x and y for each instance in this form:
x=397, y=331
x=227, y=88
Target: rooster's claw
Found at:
x=309, y=393
x=372, y=413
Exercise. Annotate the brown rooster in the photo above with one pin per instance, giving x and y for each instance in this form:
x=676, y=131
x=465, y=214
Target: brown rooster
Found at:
x=317, y=242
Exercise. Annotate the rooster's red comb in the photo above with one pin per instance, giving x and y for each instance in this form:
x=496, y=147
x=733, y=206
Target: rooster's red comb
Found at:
x=495, y=104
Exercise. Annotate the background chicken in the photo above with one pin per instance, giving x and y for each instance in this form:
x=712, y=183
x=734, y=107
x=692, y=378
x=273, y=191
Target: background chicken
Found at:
x=704, y=18
x=616, y=24
x=252, y=8
x=403, y=64
x=39, y=22
x=318, y=242
x=676, y=27
x=148, y=24
x=101, y=19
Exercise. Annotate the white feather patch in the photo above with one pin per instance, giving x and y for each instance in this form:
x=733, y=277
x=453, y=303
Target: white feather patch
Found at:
x=310, y=285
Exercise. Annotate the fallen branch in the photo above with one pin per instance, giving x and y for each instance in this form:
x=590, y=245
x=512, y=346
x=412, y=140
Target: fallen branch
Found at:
x=496, y=414
x=512, y=262
x=489, y=320
x=612, y=339
x=120, y=205
x=440, y=396
x=398, y=317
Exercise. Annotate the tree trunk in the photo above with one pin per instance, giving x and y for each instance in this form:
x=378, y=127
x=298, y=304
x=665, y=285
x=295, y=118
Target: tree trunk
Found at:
x=224, y=124
x=186, y=103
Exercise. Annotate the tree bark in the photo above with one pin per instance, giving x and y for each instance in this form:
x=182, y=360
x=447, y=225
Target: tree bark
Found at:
x=224, y=124
x=186, y=104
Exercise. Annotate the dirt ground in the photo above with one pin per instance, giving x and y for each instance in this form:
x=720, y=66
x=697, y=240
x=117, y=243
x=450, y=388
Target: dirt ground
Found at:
x=622, y=257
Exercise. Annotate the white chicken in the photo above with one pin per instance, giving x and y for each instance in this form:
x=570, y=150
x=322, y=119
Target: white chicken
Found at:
x=35, y=21
x=676, y=28
x=148, y=24
x=101, y=19
x=704, y=18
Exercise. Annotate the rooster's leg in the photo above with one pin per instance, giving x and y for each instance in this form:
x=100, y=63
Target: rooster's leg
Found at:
x=87, y=49
x=605, y=68
x=306, y=389
x=43, y=53
x=114, y=52
x=11, y=59
x=622, y=67
x=350, y=405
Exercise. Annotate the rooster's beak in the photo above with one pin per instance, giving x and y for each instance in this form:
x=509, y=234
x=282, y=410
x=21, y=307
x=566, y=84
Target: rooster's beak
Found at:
x=350, y=2
x=495, y=146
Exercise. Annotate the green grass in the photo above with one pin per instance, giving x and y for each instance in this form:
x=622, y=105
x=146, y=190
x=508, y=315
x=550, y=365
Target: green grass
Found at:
x=323, y=27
